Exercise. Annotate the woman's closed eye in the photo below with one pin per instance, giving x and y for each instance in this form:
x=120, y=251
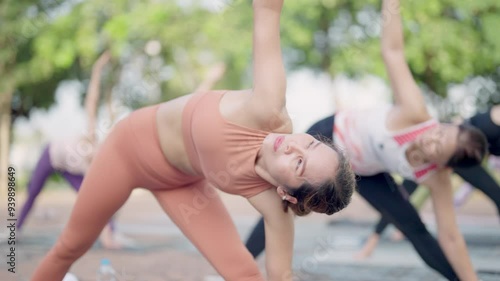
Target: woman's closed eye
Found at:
x=299, y=163
x=310, y=144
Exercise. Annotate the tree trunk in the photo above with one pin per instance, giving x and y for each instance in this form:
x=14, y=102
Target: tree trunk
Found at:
x=5, y=119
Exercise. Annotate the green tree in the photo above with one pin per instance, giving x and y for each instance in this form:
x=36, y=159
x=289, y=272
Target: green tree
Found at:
x=10, y=43
x=447, y=41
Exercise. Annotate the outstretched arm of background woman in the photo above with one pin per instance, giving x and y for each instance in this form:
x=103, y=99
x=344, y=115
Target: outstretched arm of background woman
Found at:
x=449, y=236
x=93, y=93
x=408, y=98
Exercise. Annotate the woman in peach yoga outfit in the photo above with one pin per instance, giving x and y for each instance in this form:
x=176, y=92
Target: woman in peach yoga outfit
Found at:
x=237, y=141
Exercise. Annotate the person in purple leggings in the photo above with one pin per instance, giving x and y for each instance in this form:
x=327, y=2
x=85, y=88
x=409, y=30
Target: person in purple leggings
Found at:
x=71, y=157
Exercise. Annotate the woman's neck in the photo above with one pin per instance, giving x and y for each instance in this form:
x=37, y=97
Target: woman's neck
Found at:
x=262, y=171
x=415, y=155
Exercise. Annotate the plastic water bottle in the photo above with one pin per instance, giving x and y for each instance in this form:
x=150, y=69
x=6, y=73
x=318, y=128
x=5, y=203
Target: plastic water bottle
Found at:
x=106, y=271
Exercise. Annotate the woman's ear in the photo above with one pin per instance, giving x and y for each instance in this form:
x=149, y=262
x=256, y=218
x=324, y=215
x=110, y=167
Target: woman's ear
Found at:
x=285, y=196
x=291, y=199
x=281, y=191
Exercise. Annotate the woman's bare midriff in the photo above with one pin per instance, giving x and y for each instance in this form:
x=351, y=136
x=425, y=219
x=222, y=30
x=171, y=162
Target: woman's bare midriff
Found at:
x=169, y=124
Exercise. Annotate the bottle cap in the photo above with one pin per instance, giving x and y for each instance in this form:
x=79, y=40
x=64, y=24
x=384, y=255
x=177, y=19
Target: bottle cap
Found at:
x=105, y=262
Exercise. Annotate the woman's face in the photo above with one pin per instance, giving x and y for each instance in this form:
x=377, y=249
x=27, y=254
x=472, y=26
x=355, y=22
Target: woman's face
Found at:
x=294, y=159
x=438, y=144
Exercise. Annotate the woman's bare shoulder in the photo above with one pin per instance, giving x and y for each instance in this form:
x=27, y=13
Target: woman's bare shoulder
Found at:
x=268, y=116
x=398, y=119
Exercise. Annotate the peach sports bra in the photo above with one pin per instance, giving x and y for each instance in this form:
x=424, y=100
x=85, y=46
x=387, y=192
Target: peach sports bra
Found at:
x=223, y=152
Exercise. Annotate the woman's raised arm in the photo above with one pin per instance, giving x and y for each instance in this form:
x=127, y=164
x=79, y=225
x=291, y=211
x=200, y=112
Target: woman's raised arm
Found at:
x=93, y=93
x=269, y=84
x=407, y=95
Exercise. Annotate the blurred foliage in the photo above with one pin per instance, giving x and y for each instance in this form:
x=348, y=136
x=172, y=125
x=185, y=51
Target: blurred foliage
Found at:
x=45, y=42
x=447, y=41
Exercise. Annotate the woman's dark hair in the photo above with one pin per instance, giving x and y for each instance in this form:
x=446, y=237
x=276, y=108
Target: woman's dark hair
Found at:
x=471, y=147
x=328, y=198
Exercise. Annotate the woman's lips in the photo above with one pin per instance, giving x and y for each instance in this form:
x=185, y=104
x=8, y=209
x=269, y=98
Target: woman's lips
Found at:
x=278, y=142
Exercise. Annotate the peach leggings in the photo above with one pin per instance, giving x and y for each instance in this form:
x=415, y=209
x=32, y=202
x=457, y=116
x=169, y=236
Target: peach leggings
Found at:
x=131, y=157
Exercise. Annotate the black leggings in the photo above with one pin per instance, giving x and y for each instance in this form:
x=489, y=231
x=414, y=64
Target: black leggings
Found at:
x=410, y=187
x=256, y=242
x=482, y=180
x=477, y=176
x=483, y=122
x=383, y=194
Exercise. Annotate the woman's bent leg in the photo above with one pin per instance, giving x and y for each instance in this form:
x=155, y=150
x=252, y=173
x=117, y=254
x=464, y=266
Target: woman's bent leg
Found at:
x=201, y=215
x=482, y=180
x=42, y=171
x=74, y=180
x=392, y=205
x=106, y=187
x=106, y=238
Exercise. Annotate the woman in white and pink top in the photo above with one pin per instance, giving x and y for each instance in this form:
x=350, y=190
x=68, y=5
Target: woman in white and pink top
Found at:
x=404, y=139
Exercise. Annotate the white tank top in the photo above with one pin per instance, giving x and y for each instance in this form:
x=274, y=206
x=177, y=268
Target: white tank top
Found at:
x=373, y=149
x=71, y=154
